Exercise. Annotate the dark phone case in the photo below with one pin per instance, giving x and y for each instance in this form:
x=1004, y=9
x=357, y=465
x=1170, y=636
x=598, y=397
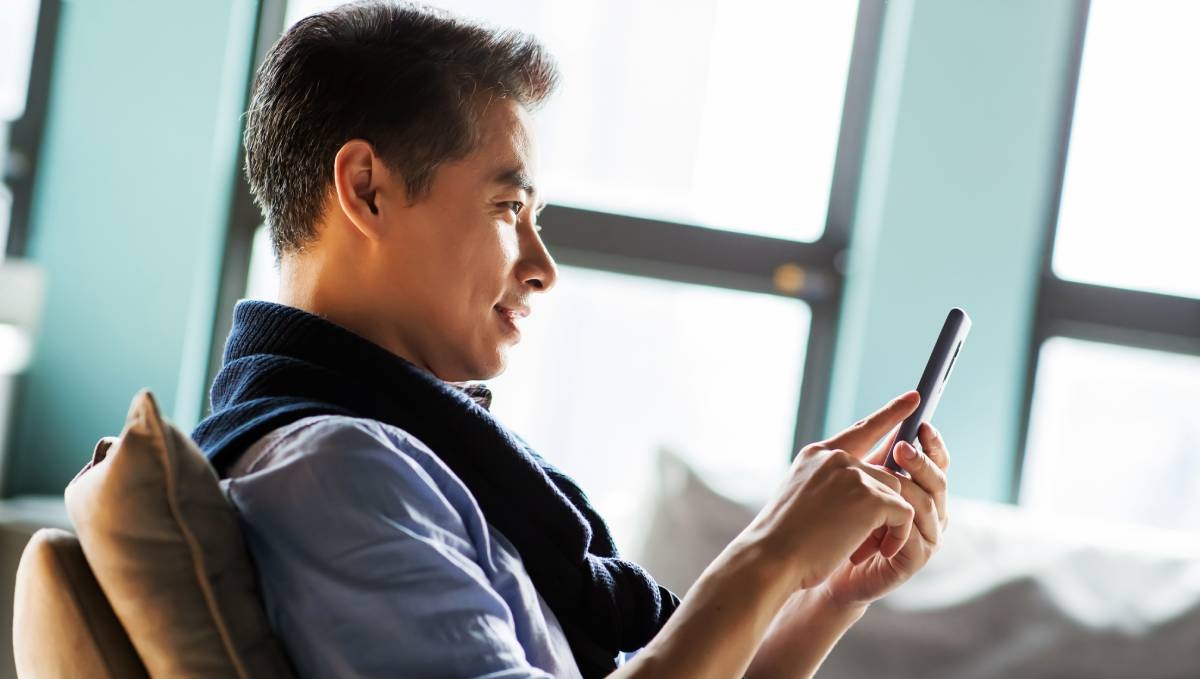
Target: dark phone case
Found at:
x=933, y=380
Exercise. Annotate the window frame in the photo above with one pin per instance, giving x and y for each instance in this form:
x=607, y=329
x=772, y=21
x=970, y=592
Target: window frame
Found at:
x=25, y=133
x=660, y=249
x=1086, y=311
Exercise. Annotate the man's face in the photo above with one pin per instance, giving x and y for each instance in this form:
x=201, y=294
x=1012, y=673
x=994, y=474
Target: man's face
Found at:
x=449, y=262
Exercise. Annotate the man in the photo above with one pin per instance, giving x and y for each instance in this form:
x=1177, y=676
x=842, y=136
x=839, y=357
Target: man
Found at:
x=397, y=528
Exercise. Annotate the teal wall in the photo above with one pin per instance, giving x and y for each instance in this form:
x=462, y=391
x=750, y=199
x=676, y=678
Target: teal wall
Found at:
x=132, y=191
x=959, y=173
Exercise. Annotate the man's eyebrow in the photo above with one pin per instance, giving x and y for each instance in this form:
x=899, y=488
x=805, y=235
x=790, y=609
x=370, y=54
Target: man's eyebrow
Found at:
x=516, y=177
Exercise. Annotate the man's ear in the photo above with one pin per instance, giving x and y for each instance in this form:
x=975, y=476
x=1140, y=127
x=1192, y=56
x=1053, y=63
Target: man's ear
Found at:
x=358, y=178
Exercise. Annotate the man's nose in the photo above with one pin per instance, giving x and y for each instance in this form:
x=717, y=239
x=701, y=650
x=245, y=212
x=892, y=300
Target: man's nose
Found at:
x=540, y=270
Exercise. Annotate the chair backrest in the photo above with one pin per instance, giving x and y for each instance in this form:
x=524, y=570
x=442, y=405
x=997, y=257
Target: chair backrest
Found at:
x=63, y=626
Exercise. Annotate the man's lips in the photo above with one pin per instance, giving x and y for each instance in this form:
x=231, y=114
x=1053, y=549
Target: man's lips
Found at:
x=513, y=313
x=508, y=318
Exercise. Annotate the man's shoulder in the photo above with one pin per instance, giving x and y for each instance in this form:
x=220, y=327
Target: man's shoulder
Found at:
x=327, y=456
x=329, y=439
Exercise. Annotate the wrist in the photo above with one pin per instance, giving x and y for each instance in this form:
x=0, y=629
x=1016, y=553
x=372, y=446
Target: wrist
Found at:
x=775, y=558
x=822, y=601
x=727, y=611
x=759, y=569
x=803, y=633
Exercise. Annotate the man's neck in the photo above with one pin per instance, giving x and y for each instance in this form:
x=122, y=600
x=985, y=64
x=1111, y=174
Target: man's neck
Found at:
x=301, y=285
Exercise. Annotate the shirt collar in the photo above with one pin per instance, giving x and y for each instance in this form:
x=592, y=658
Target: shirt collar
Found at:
x=477, y=391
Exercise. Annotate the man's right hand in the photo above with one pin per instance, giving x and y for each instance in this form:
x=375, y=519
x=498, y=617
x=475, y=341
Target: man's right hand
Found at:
x=833, y=502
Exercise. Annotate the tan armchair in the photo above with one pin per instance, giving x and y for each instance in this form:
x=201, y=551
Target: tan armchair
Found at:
x=62, y=624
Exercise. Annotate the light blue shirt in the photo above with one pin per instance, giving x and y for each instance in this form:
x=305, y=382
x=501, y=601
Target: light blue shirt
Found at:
x=376, y=561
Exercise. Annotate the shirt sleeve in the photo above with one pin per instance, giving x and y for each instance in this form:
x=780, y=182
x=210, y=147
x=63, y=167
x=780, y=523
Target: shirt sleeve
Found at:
x=370, y=563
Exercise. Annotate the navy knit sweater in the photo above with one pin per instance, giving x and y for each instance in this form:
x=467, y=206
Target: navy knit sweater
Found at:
x=282, y=364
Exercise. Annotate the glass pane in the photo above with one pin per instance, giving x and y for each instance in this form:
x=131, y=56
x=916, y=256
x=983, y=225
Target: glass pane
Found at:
x=1129, y=215
x=18, y=26
x=721, y=113
x=262, y=282
x=1114, y=434
x=611, y=367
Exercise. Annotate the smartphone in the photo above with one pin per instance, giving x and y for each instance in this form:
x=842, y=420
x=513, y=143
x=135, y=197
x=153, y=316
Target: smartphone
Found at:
x=933, y=380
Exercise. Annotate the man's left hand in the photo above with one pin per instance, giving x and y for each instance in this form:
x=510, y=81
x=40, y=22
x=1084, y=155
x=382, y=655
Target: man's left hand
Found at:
x=868, y=575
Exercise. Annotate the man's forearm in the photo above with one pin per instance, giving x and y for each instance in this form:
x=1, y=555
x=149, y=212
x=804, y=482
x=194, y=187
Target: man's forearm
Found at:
x=718, y=627
x=802, y=636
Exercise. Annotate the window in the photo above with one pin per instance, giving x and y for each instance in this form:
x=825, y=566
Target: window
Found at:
x=701, y=164
x=1112, y=426
x=1114, y=434
x=720, y=113
x=261, y=282
x=18, y=23
x=18, y=28
x=1129, y=215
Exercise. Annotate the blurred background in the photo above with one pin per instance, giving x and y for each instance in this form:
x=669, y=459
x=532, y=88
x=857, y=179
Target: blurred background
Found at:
x=762, y=211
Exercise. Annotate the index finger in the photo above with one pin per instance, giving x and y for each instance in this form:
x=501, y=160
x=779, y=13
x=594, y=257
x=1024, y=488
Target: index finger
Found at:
x=862, y=435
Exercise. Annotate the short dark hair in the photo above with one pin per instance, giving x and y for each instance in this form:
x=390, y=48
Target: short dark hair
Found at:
x=409, y=79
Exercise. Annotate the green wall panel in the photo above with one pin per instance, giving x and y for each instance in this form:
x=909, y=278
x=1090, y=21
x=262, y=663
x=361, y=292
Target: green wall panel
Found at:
x=128, y=219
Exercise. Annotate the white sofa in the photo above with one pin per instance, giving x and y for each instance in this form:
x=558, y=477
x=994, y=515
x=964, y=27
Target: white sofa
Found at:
x=1010, y=593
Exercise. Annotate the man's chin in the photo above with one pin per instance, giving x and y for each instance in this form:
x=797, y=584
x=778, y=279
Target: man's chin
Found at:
x=495, y=370
x=477, y=371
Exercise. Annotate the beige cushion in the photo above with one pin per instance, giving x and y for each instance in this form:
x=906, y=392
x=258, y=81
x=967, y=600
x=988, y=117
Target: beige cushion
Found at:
x=57, y=598
x=168, y=553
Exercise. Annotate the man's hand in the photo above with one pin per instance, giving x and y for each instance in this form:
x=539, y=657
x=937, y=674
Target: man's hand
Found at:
x=784, y=591
x=872, y=560
x=815, y=618
x=834, y=501
x=872, y=571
